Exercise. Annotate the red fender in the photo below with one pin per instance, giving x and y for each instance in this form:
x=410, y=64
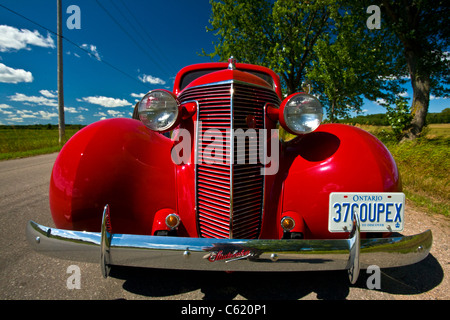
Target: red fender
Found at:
x=334, y=158
x=117, y=162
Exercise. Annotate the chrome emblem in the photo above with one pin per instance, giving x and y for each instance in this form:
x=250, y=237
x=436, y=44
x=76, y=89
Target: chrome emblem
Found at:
x=228, y=253
x=228, y=257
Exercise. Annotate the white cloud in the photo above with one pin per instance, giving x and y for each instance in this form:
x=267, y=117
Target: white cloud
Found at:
x=42, y=101
x=18, y=116
x=433, y=97
x=15, y=119
x=69, y=53
x=10, y=75
x=47, y=115
x=138, y=95
x=92, y=50
x=26, y=114
x=3, y=111
x=115, y=114
x=4, y=106
x=381, y=102
x=14, y=39
x=49, y=94
x=106, y=101
x=71, y=110
x=393, y=77
x=150, y=79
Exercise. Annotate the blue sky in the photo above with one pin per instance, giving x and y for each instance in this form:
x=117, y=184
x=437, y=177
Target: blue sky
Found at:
x=134, y=46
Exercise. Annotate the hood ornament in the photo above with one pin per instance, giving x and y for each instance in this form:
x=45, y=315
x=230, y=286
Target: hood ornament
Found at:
x=232, y=63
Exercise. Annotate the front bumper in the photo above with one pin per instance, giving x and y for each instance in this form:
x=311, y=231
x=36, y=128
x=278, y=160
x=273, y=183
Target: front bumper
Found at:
x=110, y=249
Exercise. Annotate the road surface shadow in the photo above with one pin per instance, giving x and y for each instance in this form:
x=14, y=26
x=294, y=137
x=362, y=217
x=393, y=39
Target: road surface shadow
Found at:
x=328, y=285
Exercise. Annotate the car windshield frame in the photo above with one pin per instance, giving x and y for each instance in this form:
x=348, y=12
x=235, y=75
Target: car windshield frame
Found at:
x=190, y=76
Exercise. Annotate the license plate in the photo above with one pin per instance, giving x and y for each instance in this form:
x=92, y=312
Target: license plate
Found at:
x=377, y=212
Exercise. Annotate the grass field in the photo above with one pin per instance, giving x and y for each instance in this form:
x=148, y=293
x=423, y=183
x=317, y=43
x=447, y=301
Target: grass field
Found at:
x=424, y=164
x=24, y=142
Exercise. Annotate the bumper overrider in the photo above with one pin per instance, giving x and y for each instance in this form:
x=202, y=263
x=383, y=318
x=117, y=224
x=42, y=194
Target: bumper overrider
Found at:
x=110, y=249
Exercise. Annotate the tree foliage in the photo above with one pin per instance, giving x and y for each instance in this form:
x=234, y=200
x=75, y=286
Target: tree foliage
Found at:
x=441, y=117
x=350, y=63
x=399, y=118
x=280, y=36
x=327, y=44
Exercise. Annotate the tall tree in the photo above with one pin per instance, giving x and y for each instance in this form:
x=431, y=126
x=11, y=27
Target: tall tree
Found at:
x=280, y=36
x=353, y=61
x=423, y=27
x=323, y=42
x=336, y=83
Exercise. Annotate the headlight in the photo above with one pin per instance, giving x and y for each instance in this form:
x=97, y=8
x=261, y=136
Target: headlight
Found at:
x=300, y=113
x=159, y=110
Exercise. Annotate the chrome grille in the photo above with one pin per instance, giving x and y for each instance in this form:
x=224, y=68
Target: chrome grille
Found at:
x=229, y=195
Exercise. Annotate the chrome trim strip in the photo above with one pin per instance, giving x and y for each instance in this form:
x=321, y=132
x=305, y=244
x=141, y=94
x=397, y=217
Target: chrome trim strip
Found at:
x=191, y=253
x=228, y=82
x=230, y=223
x=105, y=244
x=196, y=164
x=264, y=165
x=231, y=84
x=355, y=247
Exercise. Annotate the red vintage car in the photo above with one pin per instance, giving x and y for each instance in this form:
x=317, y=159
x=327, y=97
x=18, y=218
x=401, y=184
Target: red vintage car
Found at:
x=200, y=179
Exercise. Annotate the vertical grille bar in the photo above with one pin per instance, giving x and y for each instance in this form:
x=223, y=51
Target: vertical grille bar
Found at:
x=229, y=194
x=214, y=187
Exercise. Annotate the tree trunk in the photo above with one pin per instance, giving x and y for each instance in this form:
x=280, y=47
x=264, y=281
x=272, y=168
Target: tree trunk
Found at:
x=419, y=108
x=332, y=111
x=420, y=81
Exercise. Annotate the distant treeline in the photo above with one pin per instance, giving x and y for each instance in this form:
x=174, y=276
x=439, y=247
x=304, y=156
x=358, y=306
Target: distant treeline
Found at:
x=42, y=126
x=380, y=119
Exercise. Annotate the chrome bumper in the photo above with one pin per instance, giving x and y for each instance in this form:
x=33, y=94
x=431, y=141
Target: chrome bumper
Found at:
x=110, y=249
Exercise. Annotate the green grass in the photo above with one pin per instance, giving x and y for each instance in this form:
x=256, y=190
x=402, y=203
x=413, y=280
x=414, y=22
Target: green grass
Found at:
x=27, y=142
x=424, y=166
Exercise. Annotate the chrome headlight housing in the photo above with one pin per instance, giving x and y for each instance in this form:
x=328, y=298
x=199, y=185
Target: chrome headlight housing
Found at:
x=300, y=113
x=159, y=110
